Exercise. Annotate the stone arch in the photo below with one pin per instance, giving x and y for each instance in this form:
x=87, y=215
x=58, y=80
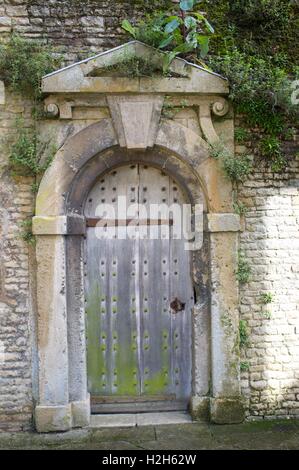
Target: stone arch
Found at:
x=59, y=226
x=115, y=156
x=189, y=148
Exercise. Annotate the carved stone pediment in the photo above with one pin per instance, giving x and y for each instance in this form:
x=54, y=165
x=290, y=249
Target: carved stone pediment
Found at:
x=91, y=89
x=83, y=77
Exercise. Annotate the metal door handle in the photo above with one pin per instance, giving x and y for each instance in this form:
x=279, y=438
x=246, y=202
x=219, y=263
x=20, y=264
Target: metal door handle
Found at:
x=177, y=306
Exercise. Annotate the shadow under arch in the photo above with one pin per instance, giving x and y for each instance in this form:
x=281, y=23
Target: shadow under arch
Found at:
x=114, y=157
x=180, y=149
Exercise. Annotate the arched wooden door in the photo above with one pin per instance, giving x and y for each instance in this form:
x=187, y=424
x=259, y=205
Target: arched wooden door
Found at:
x=139, y=296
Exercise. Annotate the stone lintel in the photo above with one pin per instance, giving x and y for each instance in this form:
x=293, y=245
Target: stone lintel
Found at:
x=59, y=225
x=223, y=223
x=227, y=410
x=53, y=418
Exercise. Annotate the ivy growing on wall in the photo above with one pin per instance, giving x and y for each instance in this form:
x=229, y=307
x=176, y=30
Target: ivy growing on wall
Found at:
x=236, y=168
x=255, y=46
x=22, y=65
x=29, y=155
x=24, y=62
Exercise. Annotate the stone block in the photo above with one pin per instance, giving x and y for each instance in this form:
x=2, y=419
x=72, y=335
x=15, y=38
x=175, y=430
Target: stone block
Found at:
x=53, y=418
x=223, y=223
x=81, y=413
x=58, y=225
x=113, y=421
x=200, y=408
x=166, y=418
x=227, y=410
x=5, y=22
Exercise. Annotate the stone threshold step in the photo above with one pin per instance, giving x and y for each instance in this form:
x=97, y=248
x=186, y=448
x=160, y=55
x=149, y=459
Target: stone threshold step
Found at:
x=138, y=419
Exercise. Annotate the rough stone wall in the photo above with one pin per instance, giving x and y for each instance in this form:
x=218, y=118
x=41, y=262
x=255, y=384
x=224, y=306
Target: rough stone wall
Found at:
x=76, y=27
x=16, y=204
x=270, y=240
x=270, y=243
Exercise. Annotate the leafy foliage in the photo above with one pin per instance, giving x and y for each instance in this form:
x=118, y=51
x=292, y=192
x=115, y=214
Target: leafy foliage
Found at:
x=237, y=168
x=170, y=110
x=263, y=14
x=255, y=88
x=183, y=30
x=241, y=135
x=266, y=29
x=267, y=315
x=270, y=149
x=26, y=153
x=26, y=231
x=244, y=366
x=133, y=67
x=24, y=62
x=35, y=187
x=240, y=208
x=255, y=47
x=23, y=155
x=267, y=298
x=243, y=333
x=243, y=272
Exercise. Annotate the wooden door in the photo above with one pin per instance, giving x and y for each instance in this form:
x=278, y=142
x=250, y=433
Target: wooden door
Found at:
x=138, y=333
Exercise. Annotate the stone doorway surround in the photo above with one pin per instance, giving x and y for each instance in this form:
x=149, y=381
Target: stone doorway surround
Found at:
x=133, y=129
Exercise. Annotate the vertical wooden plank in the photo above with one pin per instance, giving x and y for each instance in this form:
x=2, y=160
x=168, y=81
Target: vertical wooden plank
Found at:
x=98, y=311
x=112, y=351
x=96, y=315
x=135, y=343
x=124, y=359
x=154, y=288
x=181, y=288
x=155, y=338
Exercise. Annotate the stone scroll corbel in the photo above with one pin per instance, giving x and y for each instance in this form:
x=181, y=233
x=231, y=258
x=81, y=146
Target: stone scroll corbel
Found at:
x=63, y=110
x=51, y=110
x=219, y=108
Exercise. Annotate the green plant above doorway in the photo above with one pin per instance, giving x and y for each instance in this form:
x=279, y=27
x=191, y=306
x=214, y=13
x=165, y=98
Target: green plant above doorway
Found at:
x=181, y=31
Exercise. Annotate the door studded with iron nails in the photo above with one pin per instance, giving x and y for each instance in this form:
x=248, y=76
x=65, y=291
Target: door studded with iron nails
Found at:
x=139, y=295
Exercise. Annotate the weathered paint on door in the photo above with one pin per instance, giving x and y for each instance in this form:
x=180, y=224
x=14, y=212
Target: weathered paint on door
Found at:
x=136, y=344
